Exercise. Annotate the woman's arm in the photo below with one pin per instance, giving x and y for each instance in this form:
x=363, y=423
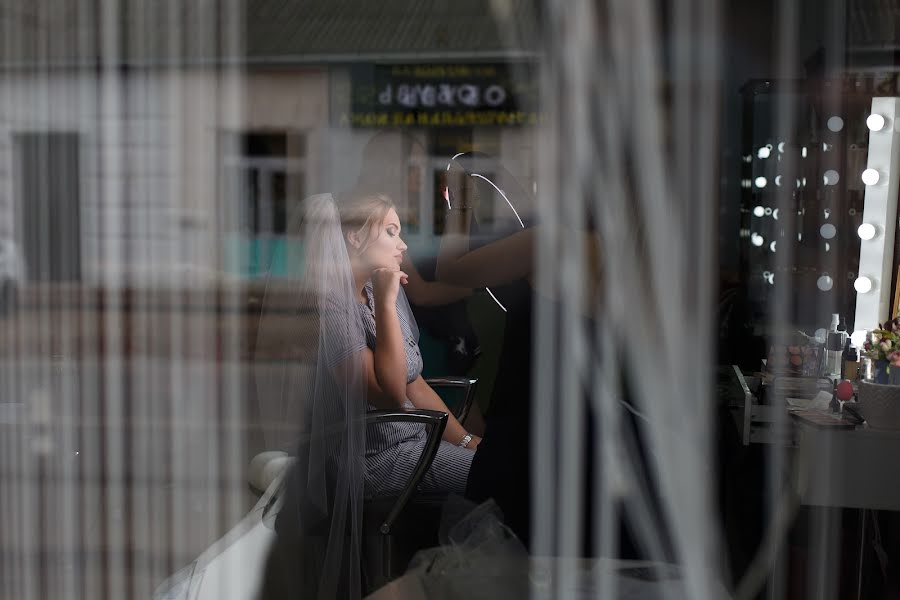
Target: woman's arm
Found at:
x=497, y=263
x=430, y=293
x=423, y=396
x=376, y=395
x=389, y=357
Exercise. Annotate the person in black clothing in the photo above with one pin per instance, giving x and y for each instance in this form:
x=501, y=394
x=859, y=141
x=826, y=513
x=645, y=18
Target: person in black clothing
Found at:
x=501, y=469
x=503, y=261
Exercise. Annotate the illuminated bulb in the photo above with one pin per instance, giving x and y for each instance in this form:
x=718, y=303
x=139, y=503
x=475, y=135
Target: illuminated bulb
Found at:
x=799, y=237
x=826, y=147
x=760, y=182
x=803, y=151
x=763, y=152
x=870, y=176
x=827, y=231
x=768, y=211
x=866, y=231
x=835, y=124
x=825, y=283
x=781, y=147
x=772, y=246
x=759, y=211
x=863, y=285
x=756, y=239
x=875, y=122
x=746, y=183
x=775, y=214
x=827, y=247
x=778, y=180
x=831, y=177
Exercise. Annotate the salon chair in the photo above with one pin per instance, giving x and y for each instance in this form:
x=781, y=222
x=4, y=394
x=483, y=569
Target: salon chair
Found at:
x=396, y=527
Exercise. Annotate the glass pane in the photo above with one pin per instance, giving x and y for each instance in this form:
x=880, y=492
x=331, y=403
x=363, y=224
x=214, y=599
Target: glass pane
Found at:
x=255, y=254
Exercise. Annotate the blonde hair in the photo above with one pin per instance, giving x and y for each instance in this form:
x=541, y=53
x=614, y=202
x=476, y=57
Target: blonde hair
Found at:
x=362, y=211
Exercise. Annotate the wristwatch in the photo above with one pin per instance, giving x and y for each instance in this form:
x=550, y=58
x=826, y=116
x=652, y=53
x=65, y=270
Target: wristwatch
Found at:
x=465, y=441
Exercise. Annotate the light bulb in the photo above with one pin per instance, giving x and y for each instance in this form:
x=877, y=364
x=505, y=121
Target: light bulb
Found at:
x=835, y=124
x=772, y=246
x=763, y=152
x=870, y=176
x=866, y=231
x=831, y=177
x=875, y=122
x=760, y=182
x=827, y=231
x=803, y=151
x=863, y=285
x=759, y=211
x=778, y=180
x=781, y=147
x=756, y=239
x=775, y=214
x=825, y=283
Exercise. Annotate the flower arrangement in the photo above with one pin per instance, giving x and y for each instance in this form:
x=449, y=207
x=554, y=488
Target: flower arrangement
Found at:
x=884, y=343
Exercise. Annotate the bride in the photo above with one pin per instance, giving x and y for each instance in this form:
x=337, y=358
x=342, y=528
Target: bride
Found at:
x=368, y=358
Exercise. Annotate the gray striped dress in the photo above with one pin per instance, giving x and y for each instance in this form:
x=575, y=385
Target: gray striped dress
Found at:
x=393, y=449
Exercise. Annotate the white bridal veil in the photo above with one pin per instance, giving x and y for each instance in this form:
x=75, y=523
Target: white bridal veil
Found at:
x=321, y=384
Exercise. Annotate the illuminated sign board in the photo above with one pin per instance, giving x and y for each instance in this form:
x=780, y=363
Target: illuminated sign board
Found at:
x=439, y=95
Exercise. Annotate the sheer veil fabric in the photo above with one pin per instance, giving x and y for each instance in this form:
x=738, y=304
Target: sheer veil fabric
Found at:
x=320, y=521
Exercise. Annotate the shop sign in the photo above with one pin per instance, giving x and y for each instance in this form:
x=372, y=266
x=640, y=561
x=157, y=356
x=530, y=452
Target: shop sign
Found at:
x=439, y=96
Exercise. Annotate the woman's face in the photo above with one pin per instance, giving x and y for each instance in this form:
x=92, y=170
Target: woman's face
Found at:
x=386, y=250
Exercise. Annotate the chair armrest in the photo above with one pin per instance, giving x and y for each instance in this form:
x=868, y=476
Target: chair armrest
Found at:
x=438, y=422
x=468, y=385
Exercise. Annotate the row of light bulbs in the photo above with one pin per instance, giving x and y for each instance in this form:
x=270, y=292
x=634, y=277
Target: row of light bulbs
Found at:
x=830, y=177
x=868, y=231
x=765, y=211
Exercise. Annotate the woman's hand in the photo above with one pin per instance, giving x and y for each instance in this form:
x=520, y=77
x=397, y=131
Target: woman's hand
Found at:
x=386, y=285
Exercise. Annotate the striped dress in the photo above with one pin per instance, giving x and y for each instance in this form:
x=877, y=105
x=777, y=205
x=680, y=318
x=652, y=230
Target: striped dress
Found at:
x=393, y=449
